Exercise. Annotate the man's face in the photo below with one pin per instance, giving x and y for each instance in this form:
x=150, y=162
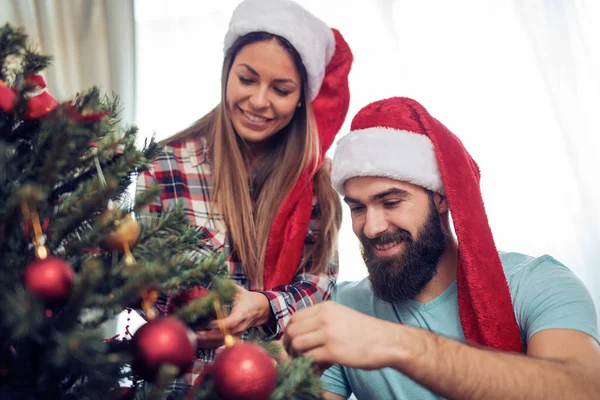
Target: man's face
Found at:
x=401, y=233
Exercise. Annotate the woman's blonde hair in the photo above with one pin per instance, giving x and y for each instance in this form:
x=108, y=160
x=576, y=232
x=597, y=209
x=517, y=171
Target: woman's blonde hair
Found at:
x=292, y=151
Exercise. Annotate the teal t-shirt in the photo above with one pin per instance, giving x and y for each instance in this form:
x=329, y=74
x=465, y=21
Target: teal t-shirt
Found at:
x=545, y=295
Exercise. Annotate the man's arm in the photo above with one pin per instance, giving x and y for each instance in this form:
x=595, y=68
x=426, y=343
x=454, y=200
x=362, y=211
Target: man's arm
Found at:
x=331, y=396
x=559, y=364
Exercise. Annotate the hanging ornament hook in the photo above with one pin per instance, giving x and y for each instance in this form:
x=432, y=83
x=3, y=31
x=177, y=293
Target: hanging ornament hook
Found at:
x=99, y=169
x=229, y=340
x=149, y=297
x=101, y=177
x=37, y=235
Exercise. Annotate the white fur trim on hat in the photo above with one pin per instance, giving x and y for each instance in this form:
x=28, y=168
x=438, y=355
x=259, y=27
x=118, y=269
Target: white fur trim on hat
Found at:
x=310, y=36
x=396, y=154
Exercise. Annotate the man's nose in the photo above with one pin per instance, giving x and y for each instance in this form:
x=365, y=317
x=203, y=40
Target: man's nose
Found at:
x=375, y=223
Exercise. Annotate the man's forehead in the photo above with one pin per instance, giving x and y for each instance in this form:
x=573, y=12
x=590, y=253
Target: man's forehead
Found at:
x=364, y=188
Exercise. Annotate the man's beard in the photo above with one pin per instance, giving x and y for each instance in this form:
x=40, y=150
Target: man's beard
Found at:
x=403, y=276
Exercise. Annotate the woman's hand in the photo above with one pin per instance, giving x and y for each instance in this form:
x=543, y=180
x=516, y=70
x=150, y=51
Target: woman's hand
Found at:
x=249, y=309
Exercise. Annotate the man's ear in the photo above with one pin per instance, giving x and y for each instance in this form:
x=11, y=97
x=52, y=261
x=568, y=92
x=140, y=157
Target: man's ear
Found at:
x=441, y=203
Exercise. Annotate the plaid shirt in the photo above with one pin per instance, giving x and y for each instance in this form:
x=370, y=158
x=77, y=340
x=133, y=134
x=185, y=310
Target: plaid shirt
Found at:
x=184, y=172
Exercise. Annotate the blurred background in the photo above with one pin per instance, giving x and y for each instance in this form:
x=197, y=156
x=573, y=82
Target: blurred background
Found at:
x=517, y=81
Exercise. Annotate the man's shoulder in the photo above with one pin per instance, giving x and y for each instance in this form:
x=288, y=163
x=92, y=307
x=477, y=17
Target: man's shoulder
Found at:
x=517, y=265
x=353, y=293
x=548, y=295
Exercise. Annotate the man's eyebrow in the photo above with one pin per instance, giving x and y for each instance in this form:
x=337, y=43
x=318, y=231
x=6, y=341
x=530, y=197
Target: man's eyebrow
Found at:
x=381, y=195
x=348, y=199
x=390, y=192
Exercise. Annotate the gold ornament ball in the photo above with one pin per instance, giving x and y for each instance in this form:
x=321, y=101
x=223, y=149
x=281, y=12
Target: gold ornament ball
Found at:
x=124, y=236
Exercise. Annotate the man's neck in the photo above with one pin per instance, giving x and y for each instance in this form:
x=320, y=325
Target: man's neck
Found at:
x=445, y=273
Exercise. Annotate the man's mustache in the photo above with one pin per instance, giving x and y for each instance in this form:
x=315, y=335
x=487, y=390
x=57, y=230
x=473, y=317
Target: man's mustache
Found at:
x=385, y=238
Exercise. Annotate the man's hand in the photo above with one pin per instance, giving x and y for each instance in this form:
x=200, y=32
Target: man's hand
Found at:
x=333, y=334
x=249, y=309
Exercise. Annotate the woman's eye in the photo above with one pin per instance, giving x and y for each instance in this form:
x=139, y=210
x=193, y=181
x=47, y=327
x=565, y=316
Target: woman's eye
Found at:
x=282, y=92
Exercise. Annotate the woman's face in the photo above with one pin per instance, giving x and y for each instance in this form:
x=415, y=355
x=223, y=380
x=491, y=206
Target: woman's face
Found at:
x=263, y=90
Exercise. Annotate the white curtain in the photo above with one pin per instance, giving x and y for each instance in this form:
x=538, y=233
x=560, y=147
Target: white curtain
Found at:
x=516, y=81
x=92, y=41
x=565, y=39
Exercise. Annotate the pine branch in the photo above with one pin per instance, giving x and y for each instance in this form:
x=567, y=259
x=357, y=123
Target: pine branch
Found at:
x=92, y=271
x=25, y=316
x=7, y=124
x=12, y=46
x=151, y=150
x=210, y=272
x=110, y=158
x=12, y=40
x=77, y=209
x=35, y=62
x=296, y=380
x=14, y=129
x=78, y=177
x=58, y=147
x=91, y=198
x=171, y=225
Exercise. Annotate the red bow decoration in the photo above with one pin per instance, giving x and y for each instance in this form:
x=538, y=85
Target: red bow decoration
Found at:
x=38, y=105
x=7, y=97
x=42, y=103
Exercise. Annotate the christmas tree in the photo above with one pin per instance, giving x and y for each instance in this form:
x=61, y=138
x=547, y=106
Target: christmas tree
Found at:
x=74, y=253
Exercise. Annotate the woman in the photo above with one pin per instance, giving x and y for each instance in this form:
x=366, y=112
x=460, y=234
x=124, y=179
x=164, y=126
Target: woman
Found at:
x=252, y=172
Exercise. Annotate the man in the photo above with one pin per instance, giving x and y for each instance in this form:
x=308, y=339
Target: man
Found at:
x=440, y=316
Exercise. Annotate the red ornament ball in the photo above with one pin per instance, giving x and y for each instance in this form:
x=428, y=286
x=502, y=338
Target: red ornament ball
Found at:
x=50, y=278
x=244, y=371
x=162, y=340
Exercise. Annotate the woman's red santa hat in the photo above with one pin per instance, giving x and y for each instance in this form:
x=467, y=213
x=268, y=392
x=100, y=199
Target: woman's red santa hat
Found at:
x=327, y=59
x=310, y=36
x=397, y=138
